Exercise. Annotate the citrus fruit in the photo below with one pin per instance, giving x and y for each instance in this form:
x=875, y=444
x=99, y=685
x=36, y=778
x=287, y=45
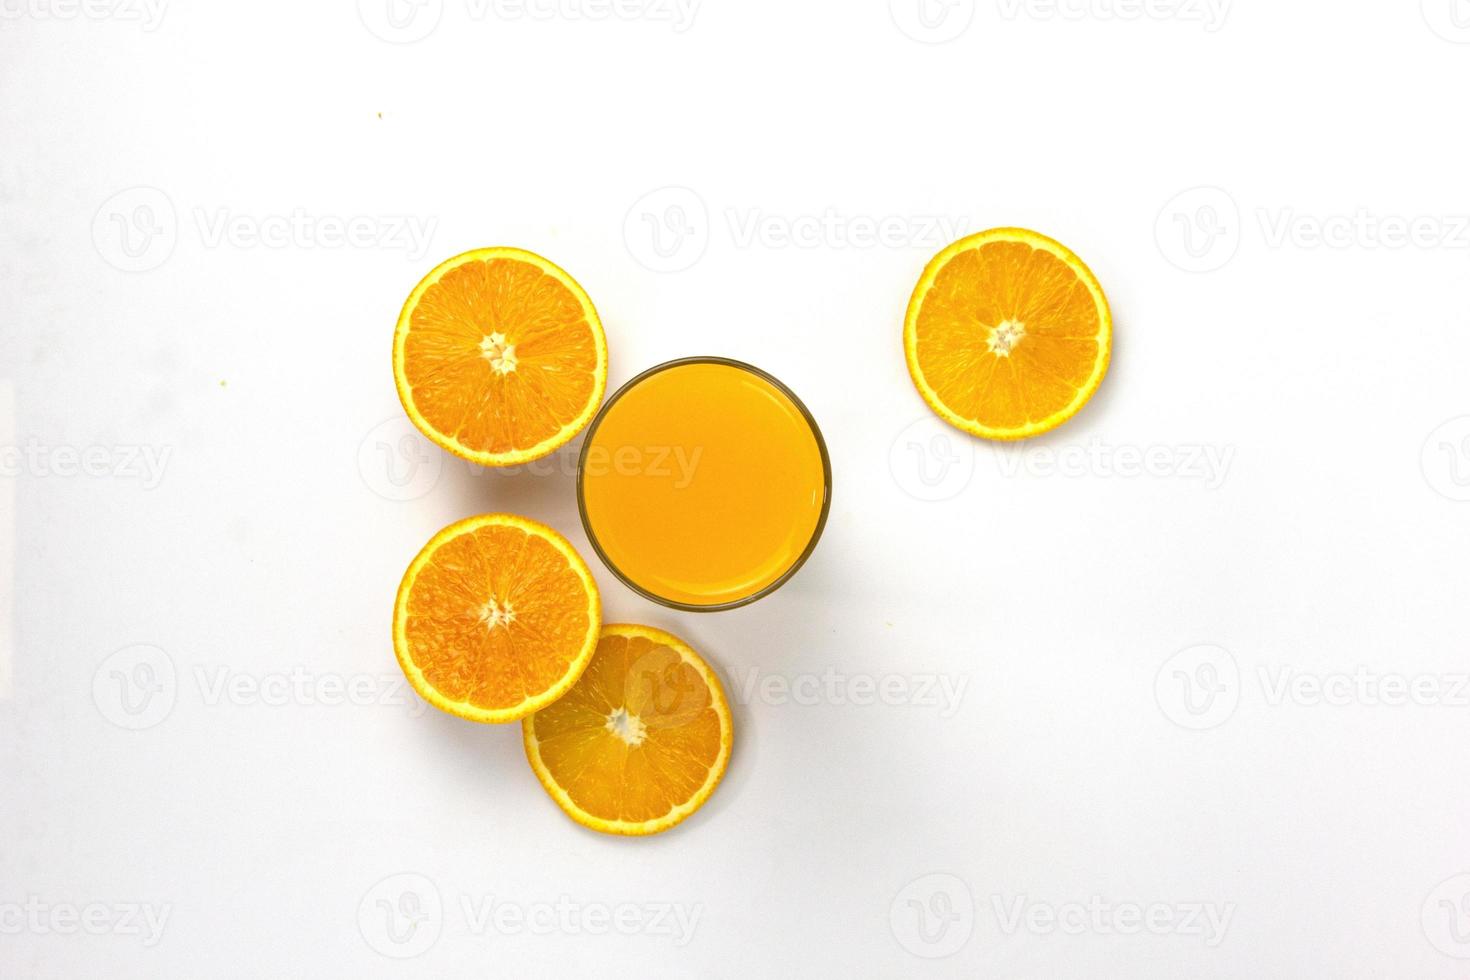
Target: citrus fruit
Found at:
x=640, y=741
x=1007, y=334
x=499, y=356
x=496, y=617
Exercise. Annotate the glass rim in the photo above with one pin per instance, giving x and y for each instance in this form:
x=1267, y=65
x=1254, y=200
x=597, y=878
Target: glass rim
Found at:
x=811, y=544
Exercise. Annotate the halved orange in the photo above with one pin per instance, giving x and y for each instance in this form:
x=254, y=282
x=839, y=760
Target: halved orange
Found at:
x=499, y=356
x=1008, y=334
x=640, y=742
x=497, y=616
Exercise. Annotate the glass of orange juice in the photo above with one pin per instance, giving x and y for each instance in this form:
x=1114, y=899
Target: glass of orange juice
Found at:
x=704, y=483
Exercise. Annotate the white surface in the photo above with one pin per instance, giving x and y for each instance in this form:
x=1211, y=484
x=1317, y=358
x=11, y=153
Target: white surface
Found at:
x=263, y=542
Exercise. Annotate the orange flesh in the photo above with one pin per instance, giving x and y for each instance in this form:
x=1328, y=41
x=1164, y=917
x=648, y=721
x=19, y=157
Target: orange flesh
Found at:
x=995, y=284
x=455, y=385
x=703, y=484
x=634, y=690
x=458, y=629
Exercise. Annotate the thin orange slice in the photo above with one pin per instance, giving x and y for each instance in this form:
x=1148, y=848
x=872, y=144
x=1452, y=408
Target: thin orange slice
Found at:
x=499, y=356
x=496, y=618
x=1008, y=334
x=640, y=742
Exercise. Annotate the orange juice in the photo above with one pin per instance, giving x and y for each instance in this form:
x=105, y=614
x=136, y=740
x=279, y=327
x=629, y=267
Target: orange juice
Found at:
x=704, y=483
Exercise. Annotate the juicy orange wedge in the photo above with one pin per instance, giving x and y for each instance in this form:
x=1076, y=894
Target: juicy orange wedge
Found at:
x=499, y=356
x=1008, y=334
x=497, y=616
x=640, y=742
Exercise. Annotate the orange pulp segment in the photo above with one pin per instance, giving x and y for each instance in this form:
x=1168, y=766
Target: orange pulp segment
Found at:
x=642, y=739
x=496, y=617
x=499, y=356
x=1008, y=334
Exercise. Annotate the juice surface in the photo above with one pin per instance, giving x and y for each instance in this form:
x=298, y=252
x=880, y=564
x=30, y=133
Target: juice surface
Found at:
x=703, y=483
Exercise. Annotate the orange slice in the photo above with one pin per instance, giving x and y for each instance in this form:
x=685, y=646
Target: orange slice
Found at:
x=499, y=356
x=496, y=617
x=1008, y=334
x=640, y=742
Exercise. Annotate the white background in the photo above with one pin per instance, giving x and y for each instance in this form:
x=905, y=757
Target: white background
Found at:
x=174, y=632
